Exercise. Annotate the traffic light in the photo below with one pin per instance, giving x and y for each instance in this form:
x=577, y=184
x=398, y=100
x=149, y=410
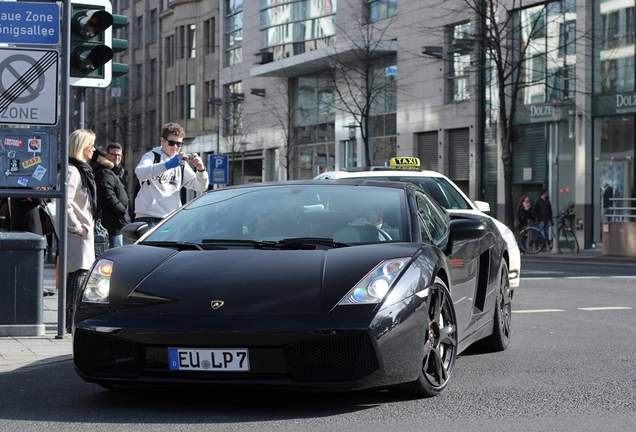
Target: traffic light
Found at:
x=91, y=43
x=119, y=45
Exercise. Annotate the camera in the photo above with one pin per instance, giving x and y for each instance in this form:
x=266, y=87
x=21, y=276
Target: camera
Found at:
x=188, y=157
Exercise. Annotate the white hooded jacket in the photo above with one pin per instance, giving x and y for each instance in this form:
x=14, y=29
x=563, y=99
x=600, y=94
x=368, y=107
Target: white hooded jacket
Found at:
x=159, y=196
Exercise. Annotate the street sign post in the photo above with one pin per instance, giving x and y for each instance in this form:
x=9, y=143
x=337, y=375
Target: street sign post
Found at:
x=28, y=87
x=29, y=23
x=219, y=169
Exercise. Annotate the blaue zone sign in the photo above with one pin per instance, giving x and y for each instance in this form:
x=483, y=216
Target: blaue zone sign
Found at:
x=29, y=23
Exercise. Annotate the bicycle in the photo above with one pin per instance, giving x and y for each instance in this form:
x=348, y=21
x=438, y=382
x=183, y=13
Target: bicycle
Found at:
x=532, y=240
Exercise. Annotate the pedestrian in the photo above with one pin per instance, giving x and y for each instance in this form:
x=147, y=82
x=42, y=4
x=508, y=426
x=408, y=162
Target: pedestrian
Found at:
x=161, y=176
x=524, y=212
x=81, y=212
x=111, y=192
x=542, y=214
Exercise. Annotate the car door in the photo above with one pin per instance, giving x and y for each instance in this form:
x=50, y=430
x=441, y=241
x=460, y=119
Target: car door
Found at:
x=464, y=260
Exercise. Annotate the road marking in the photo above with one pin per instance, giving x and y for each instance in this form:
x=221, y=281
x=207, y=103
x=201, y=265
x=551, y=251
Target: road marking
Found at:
x=605, y=308
x=576, y=277
x=538, y=310
x=537, y=278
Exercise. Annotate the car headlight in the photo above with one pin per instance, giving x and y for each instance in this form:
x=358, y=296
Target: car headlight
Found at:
x=98, y=284
x=509, y=237
x=376, y=284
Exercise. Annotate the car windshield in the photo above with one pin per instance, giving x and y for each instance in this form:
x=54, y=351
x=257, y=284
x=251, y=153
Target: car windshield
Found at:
x=345, y=214
x=440, y=189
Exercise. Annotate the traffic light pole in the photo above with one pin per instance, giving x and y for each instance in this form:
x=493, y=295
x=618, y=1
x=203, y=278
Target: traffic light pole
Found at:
x=64, y=128
x=80, y=107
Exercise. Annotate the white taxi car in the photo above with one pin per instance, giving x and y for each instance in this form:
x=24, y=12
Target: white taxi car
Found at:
x=444, y=191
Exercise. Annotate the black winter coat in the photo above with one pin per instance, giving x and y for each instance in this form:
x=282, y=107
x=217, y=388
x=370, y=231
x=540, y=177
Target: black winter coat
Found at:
x=112, y=196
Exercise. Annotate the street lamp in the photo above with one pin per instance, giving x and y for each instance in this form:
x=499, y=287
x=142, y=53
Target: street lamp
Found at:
x=351, y=149
x=243, y=144
x=556, y=118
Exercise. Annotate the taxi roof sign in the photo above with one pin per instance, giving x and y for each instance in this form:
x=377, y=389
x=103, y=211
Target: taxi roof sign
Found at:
x=405, y=162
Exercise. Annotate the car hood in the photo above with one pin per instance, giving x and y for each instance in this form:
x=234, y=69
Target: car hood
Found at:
x=249, y=282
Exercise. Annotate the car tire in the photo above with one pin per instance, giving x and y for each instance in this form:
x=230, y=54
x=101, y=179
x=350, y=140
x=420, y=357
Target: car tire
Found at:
x=502, y=325
x=440, y=345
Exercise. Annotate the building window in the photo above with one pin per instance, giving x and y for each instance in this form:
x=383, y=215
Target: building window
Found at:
x=233, y=109
x=210, y=95
x=152, y=127
x=614, y=55
x=139, y=129
x=460, y=50
x=169, y=105
x=182, y=97
x=139, y=75
x=209, y=29
x=381, y=9
x=170, y=51
x=291, y=27
x=192, y=41
x=234, y=32
x=153, y=25
x=545, y=37
x=182, y=42
x=140, y=31
x=192, y=101
x=152, y=82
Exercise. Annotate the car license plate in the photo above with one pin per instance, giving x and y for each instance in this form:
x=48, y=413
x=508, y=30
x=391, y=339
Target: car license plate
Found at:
x=213, y=360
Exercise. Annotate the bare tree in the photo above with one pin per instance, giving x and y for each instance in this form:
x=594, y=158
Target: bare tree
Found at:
x=234, y=126
x=511, y=44
x=359, y=71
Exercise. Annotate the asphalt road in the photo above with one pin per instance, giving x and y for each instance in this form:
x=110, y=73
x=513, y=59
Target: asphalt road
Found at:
x=570, y=367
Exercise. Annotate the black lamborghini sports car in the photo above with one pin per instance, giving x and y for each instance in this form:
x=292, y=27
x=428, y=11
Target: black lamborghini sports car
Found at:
x=317, y=285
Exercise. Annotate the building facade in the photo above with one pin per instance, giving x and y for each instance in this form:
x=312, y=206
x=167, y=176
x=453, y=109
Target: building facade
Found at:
x=289, y=89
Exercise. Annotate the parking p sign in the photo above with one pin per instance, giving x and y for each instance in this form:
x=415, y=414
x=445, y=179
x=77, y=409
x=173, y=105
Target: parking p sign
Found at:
x=219, y=169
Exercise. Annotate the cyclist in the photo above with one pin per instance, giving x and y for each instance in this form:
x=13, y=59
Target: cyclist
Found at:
x=542, y=213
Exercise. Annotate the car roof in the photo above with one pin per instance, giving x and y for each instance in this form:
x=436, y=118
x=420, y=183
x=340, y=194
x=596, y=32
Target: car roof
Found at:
x=379, y=173
x=314, y=182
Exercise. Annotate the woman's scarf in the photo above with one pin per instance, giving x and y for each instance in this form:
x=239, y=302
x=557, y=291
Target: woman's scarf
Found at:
x=88, y=184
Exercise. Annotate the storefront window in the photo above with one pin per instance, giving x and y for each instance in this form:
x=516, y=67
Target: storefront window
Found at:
x=613, y=164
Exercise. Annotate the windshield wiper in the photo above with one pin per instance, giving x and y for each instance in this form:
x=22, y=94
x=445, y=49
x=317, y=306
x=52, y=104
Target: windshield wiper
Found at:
x=309, y=243
x=181, y=245
x=233, y=242
x=289, y=243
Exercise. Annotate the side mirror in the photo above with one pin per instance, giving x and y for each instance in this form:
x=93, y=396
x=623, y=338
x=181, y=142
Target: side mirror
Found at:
x=134, y=231
x=465, y=229
x=482, y=206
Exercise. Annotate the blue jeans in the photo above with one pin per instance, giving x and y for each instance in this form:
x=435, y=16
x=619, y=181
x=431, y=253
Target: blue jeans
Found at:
x=544, y=227
x=115, y=240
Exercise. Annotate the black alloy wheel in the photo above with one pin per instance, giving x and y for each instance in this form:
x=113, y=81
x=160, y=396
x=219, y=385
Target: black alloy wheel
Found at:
x=502, y=325
x=440, y=344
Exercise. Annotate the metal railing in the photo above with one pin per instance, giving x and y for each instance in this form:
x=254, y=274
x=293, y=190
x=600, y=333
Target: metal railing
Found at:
x=622, y=210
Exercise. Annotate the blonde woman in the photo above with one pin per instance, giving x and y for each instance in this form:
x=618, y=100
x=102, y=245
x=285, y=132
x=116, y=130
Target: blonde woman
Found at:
x=82, y=211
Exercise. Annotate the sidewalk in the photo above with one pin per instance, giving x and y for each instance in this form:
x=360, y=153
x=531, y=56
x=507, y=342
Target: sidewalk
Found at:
x=19, y=352
x=584, y=255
